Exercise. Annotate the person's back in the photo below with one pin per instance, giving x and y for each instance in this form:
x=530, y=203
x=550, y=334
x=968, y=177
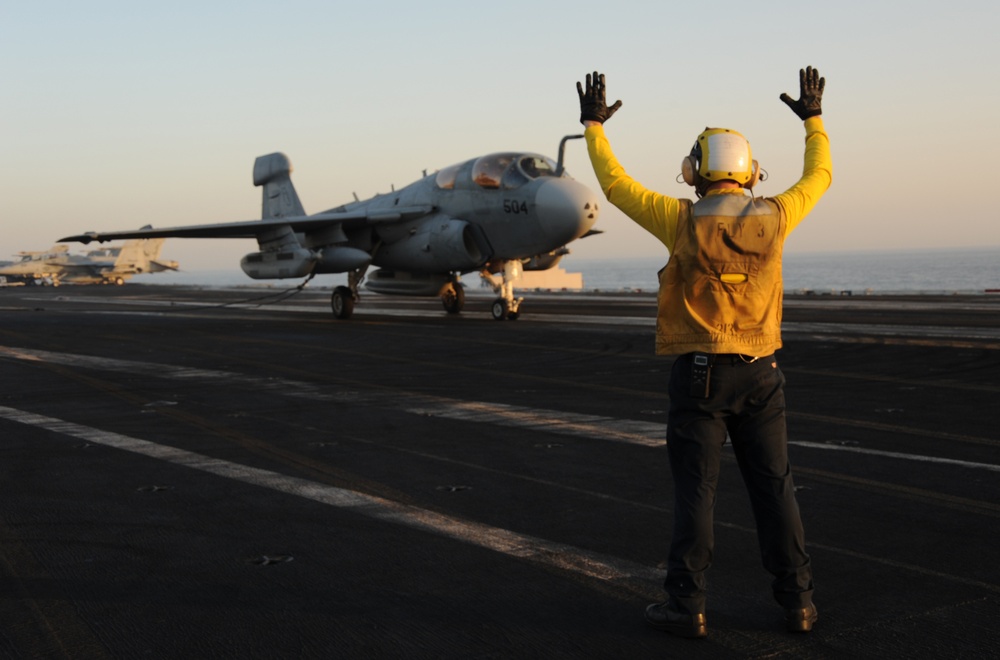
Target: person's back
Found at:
x=719, y=311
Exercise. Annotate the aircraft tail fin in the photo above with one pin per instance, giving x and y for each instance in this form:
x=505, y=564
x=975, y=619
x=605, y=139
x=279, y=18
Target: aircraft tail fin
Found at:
x=132, y=256
x=151, y=248
x=280, y=200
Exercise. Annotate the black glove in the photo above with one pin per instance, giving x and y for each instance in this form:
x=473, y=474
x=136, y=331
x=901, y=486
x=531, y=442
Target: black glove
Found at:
x=593, y=106
x=810, y=94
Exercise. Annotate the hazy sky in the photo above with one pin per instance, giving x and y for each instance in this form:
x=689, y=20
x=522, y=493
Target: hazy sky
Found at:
x=118, y=114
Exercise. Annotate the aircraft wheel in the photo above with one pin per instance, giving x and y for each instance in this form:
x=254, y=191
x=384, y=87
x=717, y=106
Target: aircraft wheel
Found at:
x=119, y=281
x=453, y=299
x=500, y=309
x=342, y=302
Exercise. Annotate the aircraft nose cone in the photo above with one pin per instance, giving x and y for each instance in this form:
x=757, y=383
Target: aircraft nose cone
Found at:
x=566, y=209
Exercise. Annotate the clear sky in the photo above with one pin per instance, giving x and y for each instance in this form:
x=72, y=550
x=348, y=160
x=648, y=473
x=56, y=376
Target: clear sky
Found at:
x=116, y=114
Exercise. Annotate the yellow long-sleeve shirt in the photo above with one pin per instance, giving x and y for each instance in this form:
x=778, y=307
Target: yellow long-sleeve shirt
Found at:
x=721, y=292
x=658, y=213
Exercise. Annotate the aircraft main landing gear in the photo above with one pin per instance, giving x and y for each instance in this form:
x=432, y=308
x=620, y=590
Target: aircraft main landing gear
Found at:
x=342, y=302
x=453, y=297
x=343, y=298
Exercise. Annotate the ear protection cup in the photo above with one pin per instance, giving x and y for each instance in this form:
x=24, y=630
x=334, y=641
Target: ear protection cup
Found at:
x=754, y=176
x=689, y=170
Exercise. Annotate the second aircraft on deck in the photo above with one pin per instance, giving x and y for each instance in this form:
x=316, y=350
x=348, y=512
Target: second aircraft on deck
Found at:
x=108, y=265
x=498, y=214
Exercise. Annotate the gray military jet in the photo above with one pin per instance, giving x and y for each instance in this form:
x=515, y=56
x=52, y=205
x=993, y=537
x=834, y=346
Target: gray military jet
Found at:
x=498, y=214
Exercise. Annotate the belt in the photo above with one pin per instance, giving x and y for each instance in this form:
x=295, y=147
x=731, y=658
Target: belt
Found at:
x=729, y=358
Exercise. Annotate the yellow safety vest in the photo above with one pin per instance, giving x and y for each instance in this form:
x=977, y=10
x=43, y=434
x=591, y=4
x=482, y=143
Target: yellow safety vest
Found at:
x=721, y=291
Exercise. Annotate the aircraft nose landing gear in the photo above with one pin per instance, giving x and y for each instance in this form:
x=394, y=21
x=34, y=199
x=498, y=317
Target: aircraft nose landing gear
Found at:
x=506, y=307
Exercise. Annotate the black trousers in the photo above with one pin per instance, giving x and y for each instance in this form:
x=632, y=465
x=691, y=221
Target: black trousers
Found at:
x=747, y=402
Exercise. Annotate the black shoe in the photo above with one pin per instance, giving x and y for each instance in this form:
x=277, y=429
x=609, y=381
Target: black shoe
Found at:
x=802, y=619
x=665, y=617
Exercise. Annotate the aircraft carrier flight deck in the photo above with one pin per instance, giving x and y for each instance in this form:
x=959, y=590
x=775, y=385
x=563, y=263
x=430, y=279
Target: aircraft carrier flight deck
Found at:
x=232, y=473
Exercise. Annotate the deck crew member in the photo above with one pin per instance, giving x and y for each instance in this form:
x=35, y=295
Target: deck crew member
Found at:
x=719, y=312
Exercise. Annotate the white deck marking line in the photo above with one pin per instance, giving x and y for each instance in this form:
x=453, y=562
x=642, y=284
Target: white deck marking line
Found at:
x=592, y=427
x=894, y=454
x=431, y=405
x=635, y=576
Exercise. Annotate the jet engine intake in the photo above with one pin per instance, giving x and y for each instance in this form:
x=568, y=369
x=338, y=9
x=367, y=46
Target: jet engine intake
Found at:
x=438, y=245
x=294, y=262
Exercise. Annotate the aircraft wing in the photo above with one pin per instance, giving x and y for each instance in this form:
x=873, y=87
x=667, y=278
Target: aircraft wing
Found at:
x=251, y=228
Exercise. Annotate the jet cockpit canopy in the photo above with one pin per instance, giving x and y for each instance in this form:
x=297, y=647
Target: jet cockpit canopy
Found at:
x=501, y=170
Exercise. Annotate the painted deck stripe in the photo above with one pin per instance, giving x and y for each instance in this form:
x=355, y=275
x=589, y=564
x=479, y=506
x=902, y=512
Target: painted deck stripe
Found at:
x=591, y=427
x=894, y=454
x=635, y=576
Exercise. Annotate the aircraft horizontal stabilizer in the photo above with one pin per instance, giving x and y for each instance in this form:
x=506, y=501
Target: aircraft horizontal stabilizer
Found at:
x=160, y=266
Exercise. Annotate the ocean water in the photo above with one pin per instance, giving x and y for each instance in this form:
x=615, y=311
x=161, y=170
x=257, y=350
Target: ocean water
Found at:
x=968, y=270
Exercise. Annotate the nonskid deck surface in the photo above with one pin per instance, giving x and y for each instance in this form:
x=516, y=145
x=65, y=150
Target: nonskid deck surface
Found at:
x=186, y=474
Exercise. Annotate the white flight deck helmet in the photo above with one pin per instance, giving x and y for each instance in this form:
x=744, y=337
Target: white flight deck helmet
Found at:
x=717, y=155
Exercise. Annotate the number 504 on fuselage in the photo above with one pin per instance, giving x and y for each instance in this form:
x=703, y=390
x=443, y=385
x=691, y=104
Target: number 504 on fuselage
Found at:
x=497, y=214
